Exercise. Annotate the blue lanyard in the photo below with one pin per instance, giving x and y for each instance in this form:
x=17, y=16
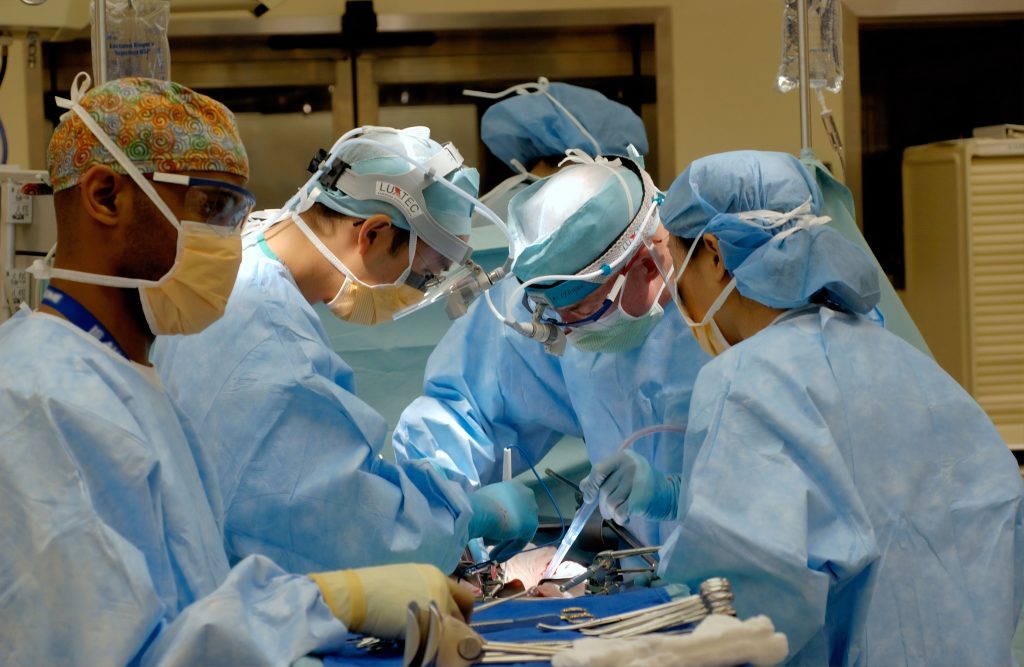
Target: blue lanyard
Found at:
x=76, y=313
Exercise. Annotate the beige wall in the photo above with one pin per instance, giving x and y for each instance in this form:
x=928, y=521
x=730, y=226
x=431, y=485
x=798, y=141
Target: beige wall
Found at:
x=21, y=106
x=716, y=64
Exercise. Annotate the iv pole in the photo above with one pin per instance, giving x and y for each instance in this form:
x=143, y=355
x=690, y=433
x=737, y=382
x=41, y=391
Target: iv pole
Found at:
x=101, y=35
x=805, y=89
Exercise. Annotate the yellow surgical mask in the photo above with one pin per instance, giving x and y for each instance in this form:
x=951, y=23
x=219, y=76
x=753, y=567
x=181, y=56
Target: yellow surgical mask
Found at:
x=357, y=302
x=707, y=333
x=194, y=293
x=372, y=304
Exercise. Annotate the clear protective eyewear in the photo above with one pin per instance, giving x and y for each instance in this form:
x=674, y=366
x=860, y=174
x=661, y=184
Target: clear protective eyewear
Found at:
x=211, y=201
x=555, y=318
x=432, y=271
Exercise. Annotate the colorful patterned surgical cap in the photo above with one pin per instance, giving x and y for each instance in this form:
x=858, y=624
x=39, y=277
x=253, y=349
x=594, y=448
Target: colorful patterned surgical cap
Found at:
x=160, y=125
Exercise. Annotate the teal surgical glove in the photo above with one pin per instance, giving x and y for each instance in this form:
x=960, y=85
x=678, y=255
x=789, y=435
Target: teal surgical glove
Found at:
x=628, y=486
x=506, y=513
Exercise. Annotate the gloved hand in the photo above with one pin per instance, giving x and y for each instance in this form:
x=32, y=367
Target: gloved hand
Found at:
x=373, y=600
x=628, y=486
x=506, y=513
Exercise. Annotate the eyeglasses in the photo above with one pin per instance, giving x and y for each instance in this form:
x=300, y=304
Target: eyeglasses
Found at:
x=594, y=316
x=214, y=202
x=555, y=320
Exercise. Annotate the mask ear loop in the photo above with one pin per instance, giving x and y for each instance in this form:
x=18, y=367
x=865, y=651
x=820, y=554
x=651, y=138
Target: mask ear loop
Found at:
x=326, y=252
x=666, y=279
x=539, y=88
x=676, y=296
x=719, y=300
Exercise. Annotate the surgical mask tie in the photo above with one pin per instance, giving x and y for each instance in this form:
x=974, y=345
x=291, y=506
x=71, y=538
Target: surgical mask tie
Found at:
x=802, y=216
x=540, y=88
x=358, y=302
x=707, y=333
x=194, y=292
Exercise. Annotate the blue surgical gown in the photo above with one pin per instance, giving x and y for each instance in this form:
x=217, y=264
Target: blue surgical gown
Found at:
x=488, y=387
x=109, y=549
x=297, y=453
x=854, y=493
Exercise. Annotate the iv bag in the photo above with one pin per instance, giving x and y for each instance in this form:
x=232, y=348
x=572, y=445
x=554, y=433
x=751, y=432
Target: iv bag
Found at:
x=136, y=39
x=824, y=44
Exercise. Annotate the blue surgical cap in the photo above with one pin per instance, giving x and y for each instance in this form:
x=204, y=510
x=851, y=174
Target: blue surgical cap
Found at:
x=450, y=210
x=814, y=262
x=530, y=126
x=562, y=223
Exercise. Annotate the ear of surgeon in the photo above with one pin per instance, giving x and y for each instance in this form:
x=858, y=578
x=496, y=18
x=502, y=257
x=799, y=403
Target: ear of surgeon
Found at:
x=374, y=249
x=747, y=234
x=388, y=211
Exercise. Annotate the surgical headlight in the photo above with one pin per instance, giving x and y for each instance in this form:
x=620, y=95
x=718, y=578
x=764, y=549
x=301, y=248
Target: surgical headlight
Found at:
x=402, y=191
x=561, y=291
x=405, y=192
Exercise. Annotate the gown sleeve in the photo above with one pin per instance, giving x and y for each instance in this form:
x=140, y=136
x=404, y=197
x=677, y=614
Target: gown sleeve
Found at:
x=768, y=502
x=486, y=388
x=74, y=590
x=311, y=489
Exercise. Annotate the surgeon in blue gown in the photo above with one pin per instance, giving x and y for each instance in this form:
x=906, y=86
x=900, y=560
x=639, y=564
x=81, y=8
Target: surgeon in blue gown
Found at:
x=110, y=547
x=624, y=368
x=845, y=485
x=297, y=453
x=488, y=387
